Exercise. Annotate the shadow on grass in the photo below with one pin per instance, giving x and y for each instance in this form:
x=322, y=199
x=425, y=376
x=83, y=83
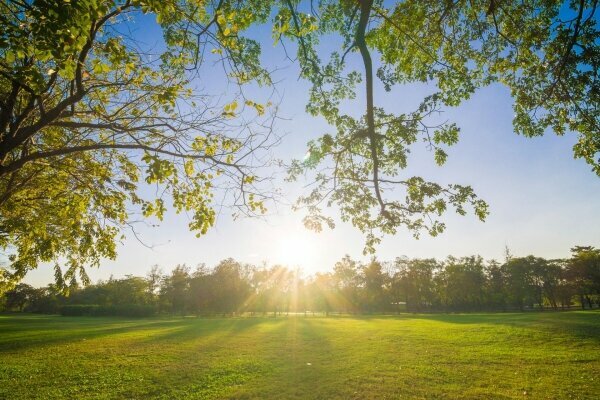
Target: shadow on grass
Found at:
x=209, y=328
x=29, y=331
x=301, y=357
x=23, y=332
x=34, y=331
x=579, y=324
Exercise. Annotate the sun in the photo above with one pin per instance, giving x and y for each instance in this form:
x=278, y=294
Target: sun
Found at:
x=297, y=250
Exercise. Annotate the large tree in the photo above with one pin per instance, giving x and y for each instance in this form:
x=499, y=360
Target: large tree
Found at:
x=545, y=52
x=90, y=114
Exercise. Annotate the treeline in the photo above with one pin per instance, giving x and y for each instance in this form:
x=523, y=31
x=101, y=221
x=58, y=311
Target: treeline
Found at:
x=414, y=285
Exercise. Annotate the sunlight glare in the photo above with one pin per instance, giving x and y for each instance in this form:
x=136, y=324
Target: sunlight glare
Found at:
x=297, y=250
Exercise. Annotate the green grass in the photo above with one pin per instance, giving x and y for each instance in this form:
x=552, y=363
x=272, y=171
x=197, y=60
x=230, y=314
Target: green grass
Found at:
x=471, y=356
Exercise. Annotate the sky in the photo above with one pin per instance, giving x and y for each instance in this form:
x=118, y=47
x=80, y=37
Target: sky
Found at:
x=542, y=201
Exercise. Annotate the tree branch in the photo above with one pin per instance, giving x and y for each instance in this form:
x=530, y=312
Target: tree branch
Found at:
x=365, y=10
x=14, y=166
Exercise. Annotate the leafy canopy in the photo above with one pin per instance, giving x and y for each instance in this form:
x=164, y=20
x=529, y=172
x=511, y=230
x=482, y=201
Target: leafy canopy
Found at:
x=92, y=119
x=545, y=52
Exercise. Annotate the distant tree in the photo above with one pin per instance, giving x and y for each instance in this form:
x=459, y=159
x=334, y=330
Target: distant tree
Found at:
x=348, y=281
x=47, y=300
x=375, y=285
x=462, y=283
x=91, y=294
x=129, y=290
x=153, y=279
x=496, y=296
x=553, y=279
x=201, y=294
x=322, y=292
x=523, y=287
x=260, y=290
x=413, y=283
x=457, y=284
x=583, y=271
x=19, y=297
x=231, y=289
x=174, y=290
x=299, y=296
x=278, y=288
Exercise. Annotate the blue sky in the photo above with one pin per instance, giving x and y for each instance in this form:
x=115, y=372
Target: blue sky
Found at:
x=542, y=201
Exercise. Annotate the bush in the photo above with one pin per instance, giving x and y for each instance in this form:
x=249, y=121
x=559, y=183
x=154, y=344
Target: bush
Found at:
x=78, y=310
x=133, y=310
x=93, y=310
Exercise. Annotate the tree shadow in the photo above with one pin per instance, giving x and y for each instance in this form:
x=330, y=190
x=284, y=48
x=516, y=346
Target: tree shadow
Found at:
x=579, y=324
x=209, y=329
x=300, y=355
x=26, y=332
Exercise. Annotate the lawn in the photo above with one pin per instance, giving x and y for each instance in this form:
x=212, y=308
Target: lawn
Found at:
x=471, y=356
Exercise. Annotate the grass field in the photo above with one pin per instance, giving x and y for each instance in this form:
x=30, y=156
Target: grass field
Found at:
x=471, y=356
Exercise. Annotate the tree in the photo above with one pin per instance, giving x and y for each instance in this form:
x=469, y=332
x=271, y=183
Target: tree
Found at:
x=89, y=115
x=521, y=282
x=230, y=289
x=153, y=279
x=322, y=294
x=201, y=291
x=462, y=283
x=174, y=290
x=495, y=282
x=277, y=288
x=127, y=291
x=584, y=272
x=19, y=297
x=299, y=294
x=546, y=53
x=46, y=300
x=457, y=284
x=347, y=275
x=552, y=275
x=413, y=283
x=258, y=301
x=374, y=290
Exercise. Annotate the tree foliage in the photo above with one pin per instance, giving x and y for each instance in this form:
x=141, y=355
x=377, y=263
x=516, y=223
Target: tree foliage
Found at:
x=91, y=115
x=545, y=52
x=414, y=285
